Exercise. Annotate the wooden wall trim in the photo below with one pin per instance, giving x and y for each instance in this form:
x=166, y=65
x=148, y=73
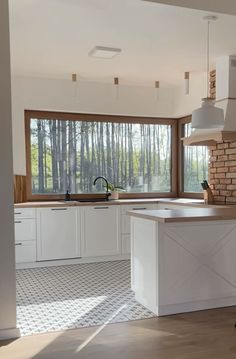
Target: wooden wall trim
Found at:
x=101, y=118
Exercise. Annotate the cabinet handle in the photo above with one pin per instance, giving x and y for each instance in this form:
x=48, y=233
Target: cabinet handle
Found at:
x=138, y=209
x=100, y=207
x=18, y=221
x=17, y=213
x=59, y=209
x=18, y=244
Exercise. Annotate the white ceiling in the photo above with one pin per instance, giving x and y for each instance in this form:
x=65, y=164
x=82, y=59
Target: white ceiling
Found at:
x=222, y=6
x=52, y=38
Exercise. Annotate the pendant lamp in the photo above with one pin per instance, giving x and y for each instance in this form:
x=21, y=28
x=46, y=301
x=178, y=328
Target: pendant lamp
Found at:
x=208, y=116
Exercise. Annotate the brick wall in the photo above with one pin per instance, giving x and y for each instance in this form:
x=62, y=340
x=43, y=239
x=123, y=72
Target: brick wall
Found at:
x=222, y=176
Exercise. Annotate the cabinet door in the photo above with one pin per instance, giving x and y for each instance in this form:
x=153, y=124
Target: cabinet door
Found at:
x=125, y=219
x=25, y=230
x=57, y=234
x=125, y=244
x=100, y=231
x=25, y=251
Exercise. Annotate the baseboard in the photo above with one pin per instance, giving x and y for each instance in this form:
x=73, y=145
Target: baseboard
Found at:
x=60, y=262
x=9, y=333
x=195, y=306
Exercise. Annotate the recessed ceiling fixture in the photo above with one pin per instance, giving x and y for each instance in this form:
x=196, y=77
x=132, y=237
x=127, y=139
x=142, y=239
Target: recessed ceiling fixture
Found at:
x=208, y=116
x=104, y=52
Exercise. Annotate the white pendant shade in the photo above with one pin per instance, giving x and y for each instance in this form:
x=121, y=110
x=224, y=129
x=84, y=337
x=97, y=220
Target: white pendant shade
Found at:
x=208, y=116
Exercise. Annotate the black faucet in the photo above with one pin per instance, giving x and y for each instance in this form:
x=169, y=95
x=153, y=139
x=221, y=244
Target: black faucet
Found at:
x=105, y=180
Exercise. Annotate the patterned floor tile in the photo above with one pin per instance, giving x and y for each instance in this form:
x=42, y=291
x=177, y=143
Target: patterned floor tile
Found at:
x=75, y=296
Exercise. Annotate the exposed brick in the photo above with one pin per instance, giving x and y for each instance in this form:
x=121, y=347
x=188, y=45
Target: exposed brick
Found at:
x=232, y=157
x=226, y=181
x=229, y=151
x=212, y=148
x=214, y=158
x=222, y=146
x=223, y=157
x=218, y=164
x=233, y=181
x=215, y=193
x=231, y=199
x=230, y=175
x=220, y=152
x=232, y=145
x=222, y=186
x=230, y=163
x=231, y=187
x=219, y=198
x=215, y=181
x=213, y=170
x=211, y=177
x=234, y=193
x=232, y=169
x=222, y=175
x=222, y=169
x=225, y=193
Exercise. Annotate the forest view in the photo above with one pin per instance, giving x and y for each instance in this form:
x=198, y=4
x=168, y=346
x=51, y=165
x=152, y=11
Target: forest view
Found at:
x=69, y=155
x=196, y=159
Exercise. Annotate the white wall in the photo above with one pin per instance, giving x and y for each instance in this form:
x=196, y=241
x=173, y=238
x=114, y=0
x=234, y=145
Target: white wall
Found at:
x=184, y=104
x=59, y=95
x=7, y=247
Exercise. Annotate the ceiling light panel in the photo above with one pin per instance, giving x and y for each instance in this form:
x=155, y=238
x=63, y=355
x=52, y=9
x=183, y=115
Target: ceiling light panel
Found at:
x=104, y=52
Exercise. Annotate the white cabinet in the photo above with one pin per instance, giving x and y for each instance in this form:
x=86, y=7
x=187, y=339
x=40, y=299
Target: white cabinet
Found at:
x=125, y=223
x=100, y=231
x=25, y=235
x=58, y=234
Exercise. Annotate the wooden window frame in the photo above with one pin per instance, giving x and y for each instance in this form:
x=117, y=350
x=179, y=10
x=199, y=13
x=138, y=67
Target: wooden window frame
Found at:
x=101, y=118
x=181, y=193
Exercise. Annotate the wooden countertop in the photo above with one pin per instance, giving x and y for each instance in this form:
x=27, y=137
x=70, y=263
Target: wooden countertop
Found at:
x=187, y=215
x=77, y=203
x=174, y=201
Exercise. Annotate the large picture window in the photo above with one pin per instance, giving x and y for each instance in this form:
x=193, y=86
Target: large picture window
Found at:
x=194, y=164
x=69, y=153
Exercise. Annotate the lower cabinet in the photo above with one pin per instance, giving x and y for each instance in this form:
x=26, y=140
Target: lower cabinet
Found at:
x=25, y=235
x=125, y=223
x=58, y=234
x=25, y=251
x=52, y=233
x=100, y=231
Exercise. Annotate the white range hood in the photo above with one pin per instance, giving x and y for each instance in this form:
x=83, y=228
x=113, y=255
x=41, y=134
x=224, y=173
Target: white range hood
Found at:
x=225, y=99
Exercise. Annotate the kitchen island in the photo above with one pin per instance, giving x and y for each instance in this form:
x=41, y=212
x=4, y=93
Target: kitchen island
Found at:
x=183, y=260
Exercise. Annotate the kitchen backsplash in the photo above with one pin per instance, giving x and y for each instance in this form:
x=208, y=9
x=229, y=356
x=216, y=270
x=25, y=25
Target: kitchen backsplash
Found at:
x=222, y=177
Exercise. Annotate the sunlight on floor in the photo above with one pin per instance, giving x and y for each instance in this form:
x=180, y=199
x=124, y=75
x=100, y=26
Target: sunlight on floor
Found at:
x=87, y=341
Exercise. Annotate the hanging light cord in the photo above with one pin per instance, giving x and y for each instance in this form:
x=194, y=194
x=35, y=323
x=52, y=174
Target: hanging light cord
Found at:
x=208, y=55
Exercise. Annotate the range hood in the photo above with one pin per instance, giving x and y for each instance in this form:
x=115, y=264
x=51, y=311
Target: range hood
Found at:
x=225, y=99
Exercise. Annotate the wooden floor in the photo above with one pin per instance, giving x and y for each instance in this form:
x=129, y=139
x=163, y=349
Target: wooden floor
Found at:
x=199, y=335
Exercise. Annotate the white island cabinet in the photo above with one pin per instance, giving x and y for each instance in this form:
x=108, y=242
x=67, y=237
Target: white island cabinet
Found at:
x=58, y=234
x=183, y=260
x=100, y=231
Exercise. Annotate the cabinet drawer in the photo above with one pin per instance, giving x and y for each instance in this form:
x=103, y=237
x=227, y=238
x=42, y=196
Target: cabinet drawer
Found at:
x=171, y=206
x=24, y=212
x=25, y=230
x=136, y=207
x=25, y=251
